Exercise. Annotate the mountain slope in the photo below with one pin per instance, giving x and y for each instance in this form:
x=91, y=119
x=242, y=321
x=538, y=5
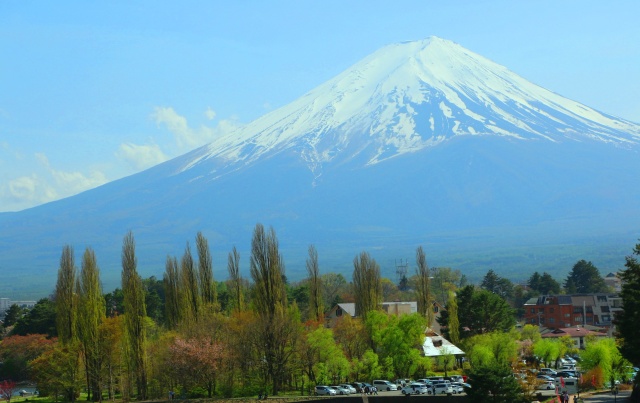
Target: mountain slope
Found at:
x=421, y=143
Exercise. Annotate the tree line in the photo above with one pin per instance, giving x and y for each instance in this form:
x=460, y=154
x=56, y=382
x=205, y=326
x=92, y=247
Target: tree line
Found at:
x=200, y=337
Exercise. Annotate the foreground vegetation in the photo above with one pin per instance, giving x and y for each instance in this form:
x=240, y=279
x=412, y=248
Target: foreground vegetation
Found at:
x=198, y=337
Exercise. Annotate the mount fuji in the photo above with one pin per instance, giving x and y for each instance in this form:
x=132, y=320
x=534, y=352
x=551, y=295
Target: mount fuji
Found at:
x=421, y=143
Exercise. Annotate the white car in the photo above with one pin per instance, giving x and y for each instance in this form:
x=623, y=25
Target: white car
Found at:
x=547, y=385
x=352, y=390
x=322, y=390
x=384, y=385
x=442, y=388
x=341, y=390
x=416, y=388
x=457, y=387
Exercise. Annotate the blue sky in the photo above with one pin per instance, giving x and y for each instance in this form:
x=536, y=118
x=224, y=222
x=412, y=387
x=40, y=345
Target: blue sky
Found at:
x=94, y=91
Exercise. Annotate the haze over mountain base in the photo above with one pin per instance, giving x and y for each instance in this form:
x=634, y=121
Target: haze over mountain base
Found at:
x=423, y=143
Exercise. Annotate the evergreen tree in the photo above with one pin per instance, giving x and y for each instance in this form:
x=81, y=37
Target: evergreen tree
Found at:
x=65, y=299
x=493, y=384
x=91, y=313
x=584, y=278
x=135, y=313
x=316, y=305
x=367, y=284
x=627, y=320
x=423, y=287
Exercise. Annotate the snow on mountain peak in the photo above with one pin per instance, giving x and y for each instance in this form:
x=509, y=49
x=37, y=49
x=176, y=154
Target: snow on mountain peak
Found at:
x=408, y=96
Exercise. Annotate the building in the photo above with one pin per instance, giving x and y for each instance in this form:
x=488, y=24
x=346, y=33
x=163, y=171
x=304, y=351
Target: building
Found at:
x=612, y=280
x=392, y=308
x=565, y=311
x=5, y=304
x=435, y=345
x=577, y=334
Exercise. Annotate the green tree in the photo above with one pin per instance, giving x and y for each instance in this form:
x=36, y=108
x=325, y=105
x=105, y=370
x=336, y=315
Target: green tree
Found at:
x=135, y=331
x=480, y=311
x=543, y=284
x=584, y=278
x=444, y=280
x=41, y=319
x=316, y=304
x=334, y=285
x=172, y=283
x=497, y=285
x=493, y=384
x=65, y=298
x=270, y=301
x=235, y=278
x=190, y=288
x=12, y=315
x=604, y=354
x=423, y=287
x=453, y=323
x=205, y=271
x=367, y=285
x=627, y=320
x=91, y=313
x=548, y=350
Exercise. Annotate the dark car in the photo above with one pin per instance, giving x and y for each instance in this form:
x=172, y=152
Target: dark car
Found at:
x=566, y=374
x=359, y=386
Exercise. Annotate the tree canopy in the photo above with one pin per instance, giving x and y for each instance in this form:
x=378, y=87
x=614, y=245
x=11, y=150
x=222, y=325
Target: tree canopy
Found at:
x=584, y=278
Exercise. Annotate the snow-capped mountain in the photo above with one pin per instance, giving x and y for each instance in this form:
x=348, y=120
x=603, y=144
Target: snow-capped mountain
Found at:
x=421, y=143
x=409, y=96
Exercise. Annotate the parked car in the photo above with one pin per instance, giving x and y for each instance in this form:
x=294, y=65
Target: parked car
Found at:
x=442, y=388
x=347, y=386
x=548, y=385
x=456, y=387
x=544, y=377
x=547, y=371
x=566, y=374
x=384, y=385
x=359, y=386
x=323, y=390
x=454, y=378
x=416, y=388
x=340, y=390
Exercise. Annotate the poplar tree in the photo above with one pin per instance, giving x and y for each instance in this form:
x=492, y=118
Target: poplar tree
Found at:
x=91, y=313
x=65, y=300
x=627, y=320
x=316, y=305
x=270, y=302
x=190, y=288
x=423, y=287
x=135, y=313
x=367, y=284
x=233, y=265
x=171, y=281
x=205, y=271
x=453, y=324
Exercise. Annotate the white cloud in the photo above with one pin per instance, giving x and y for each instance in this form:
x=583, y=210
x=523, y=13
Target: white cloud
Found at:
x=70, y=183
x=188, y=138
x=210, y=113
x=141, y=157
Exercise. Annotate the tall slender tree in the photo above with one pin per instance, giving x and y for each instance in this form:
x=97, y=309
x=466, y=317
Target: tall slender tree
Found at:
x=190, y=286
x=453, y=323
x=171, y=281
x=135, y=313
x=65, y=298
x=367, y=284
x=316, y=305
x=237, y=292
x=205, y=271
x=270, y=302
x=91, y=313
x=423, y=287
